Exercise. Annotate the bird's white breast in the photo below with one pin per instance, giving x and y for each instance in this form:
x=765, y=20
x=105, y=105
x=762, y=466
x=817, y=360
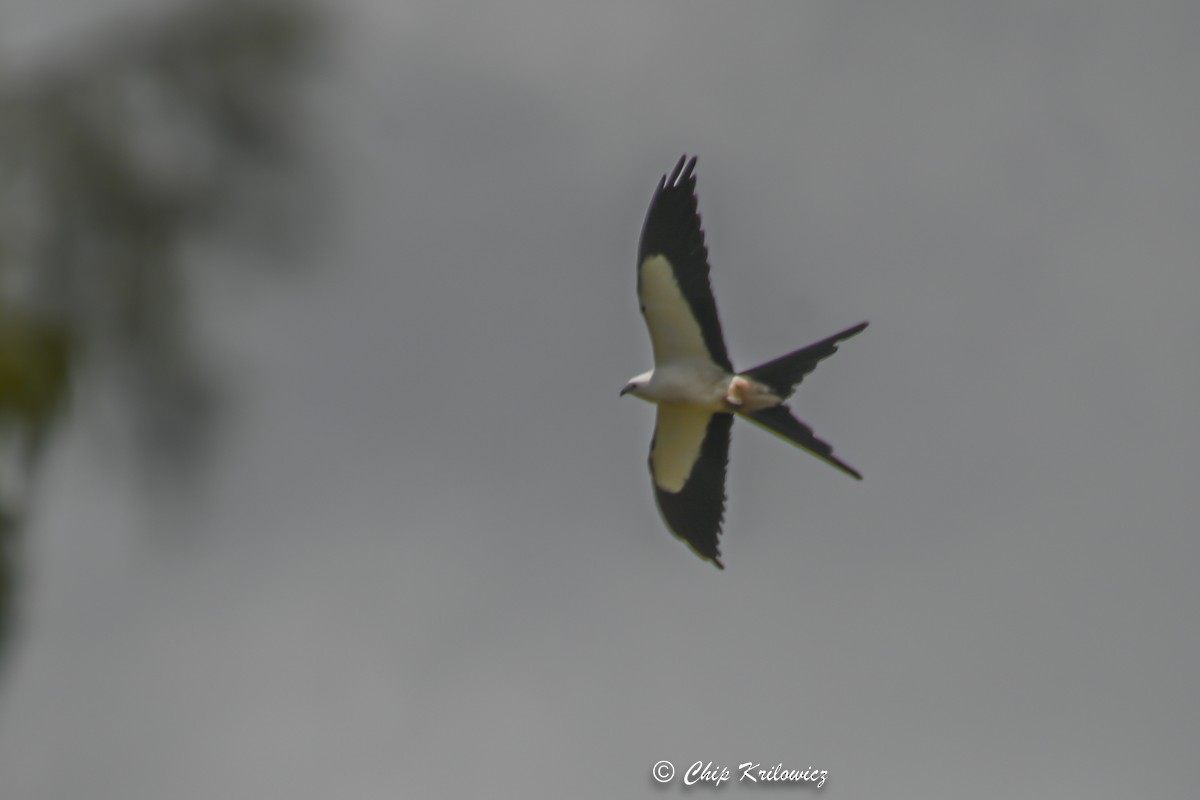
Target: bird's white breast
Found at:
x=696, y=384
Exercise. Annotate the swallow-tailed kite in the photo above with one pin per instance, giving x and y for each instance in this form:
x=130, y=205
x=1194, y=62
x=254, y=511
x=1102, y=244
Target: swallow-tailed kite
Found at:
x=693, y=382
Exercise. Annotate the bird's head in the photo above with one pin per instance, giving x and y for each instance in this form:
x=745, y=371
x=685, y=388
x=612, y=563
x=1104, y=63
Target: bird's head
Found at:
x=637, y=384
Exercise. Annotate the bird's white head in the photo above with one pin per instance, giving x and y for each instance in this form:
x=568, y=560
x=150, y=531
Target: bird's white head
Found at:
x=637, y=385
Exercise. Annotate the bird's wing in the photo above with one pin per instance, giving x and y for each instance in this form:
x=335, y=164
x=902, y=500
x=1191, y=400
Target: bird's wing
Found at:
x=673, y=283
x=688, y=456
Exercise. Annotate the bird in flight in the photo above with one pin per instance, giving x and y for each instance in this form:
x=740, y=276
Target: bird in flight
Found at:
x=693, y=382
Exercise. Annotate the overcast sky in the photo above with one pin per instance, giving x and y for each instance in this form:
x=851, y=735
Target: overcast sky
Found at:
x=429, y=563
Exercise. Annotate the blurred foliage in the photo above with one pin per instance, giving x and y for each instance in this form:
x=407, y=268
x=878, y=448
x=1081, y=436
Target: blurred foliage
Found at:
x=34, y=366
x=113, y=160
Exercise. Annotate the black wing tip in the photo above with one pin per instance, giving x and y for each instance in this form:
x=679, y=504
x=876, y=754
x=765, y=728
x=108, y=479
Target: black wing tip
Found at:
x=683, y=172
x=701, y=537
x=713, y=558
x=680, y=185
x=684, y=165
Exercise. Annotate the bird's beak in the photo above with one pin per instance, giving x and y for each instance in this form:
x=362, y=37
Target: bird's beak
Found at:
x=628, y=388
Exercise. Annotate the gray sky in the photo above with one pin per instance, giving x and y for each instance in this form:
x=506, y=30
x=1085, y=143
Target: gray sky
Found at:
x=430, y=564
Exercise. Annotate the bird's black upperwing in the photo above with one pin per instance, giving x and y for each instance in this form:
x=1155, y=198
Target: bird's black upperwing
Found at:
x=688, y=457
x=673, y=266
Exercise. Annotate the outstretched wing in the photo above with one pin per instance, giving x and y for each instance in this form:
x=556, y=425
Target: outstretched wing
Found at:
x=673, y=275
x=688, y=456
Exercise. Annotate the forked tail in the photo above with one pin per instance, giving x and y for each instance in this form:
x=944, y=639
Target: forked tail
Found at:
x=784, y=374
x=780, y=421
